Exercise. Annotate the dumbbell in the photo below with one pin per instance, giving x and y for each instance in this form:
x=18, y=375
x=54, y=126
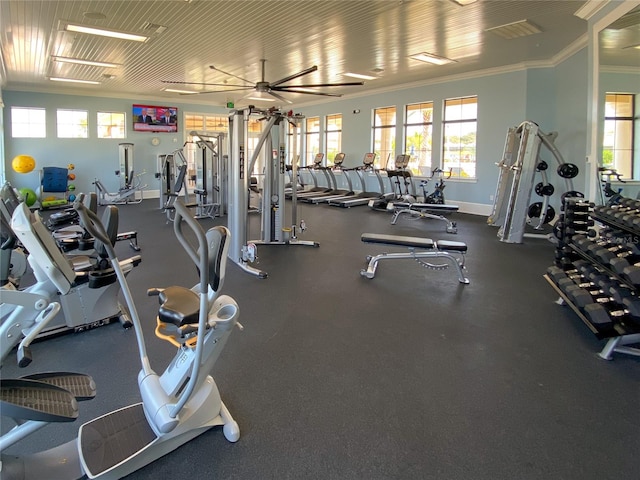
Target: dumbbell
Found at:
x=630, y=257
x=594, y=288
x=601, y=316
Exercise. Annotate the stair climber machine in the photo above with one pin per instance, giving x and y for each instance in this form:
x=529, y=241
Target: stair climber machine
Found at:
x=177, y=405
x=87, y=296
x=271, y=148
x=364, y=196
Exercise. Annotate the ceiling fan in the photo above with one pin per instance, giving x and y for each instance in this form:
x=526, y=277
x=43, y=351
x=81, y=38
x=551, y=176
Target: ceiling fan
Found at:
x=269, y=88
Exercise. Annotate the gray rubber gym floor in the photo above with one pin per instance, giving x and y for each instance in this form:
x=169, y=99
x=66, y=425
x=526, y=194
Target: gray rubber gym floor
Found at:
x=410, y=375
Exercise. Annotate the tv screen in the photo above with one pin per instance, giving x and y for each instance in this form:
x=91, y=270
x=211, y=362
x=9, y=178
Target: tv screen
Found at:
x=150, y=118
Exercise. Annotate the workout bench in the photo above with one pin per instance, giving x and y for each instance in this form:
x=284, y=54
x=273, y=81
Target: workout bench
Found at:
x=419, y=248
x=431, y=211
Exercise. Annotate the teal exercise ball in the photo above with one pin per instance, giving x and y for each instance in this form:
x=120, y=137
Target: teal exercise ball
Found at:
x=28, y=195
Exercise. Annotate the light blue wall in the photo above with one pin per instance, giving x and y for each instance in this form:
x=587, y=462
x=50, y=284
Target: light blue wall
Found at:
x=93, y=157
x=554, y=97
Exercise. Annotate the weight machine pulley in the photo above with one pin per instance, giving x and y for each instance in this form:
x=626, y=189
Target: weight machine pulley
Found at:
x=272, y=148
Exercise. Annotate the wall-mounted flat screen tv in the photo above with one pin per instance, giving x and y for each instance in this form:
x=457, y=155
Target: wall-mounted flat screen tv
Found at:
x=151, y=118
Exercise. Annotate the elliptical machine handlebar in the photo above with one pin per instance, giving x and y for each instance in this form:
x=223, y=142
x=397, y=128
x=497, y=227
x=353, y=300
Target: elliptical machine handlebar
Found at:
x=92, y=224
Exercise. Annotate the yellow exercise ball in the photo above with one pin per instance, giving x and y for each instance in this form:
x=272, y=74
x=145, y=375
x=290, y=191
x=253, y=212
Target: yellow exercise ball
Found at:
x=23, y=163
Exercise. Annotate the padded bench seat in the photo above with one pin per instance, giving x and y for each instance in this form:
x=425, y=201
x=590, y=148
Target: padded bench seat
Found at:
x=425, y=206
x=420, y=249
x=415, y=242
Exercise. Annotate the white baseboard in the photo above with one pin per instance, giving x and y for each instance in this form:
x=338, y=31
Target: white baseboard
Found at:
x=473, y=208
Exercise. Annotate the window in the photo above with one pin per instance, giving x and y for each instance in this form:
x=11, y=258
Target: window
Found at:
x=111, y=125
x=293, y=142
x=28, y=122
x=418, y=130
x=459, y=137
x=206, y=123
x=313, y=138
x=617, y=145
x=72, y=124
x=333, y=136
x=384, y=135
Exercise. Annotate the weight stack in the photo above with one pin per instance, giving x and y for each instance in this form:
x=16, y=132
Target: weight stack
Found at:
x=575, y=219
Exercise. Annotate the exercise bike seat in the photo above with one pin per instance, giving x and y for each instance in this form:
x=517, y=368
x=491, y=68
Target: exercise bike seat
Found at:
x=178, y=306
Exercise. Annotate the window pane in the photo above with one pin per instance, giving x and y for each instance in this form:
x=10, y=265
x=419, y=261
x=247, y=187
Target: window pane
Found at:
x=418, y=140
x=617, y=143
x=312, y=138
x=72, y=124
x=459, y=137
x=28, y=122
x=459, y=149
x=111, y=125
x=333, y=137
x=384, y=135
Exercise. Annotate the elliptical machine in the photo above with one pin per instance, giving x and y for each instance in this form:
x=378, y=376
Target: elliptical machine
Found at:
x=176, y=406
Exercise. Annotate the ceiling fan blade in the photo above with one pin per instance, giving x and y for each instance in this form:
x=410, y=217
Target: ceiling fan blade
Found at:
x=213, y=67
x=295, y=75
x=307, y=92
x=279, y=97
x=314, y=85
x=176, y=82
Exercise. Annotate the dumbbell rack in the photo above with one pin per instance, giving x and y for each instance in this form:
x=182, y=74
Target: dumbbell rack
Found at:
x=590, y=277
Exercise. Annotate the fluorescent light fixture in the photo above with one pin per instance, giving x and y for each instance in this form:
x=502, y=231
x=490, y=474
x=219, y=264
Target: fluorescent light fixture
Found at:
x=359, y=75
x=431, y=58
x=105, y=33
x=79, y=61
x=262, y=99
x=73, y=80
x=175, y=90
x=521, y=28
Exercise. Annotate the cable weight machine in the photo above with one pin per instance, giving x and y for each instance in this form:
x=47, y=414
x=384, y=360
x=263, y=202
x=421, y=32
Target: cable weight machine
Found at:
x=519, y=165
x=271, y=149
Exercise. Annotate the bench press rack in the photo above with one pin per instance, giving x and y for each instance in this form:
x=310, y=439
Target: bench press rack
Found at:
x=419, y=249
x=424, y=210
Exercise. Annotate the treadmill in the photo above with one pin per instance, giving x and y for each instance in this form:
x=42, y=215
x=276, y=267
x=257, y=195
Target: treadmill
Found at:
x=335, y=192
x=364, y=197
x=315, y=190
x=399, y=170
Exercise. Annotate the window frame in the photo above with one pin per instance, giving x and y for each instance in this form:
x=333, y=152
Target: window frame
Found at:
x=416, y=163
x=111, y=125
x=31, y=123
x=70, y=127
x=381, y=129
x=462, y=121
x=331, y=132
x=628, y=138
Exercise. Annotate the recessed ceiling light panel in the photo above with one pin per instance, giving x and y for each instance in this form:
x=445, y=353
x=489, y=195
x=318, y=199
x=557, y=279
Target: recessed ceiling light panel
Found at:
x=73, y=80
x=359, y=75
x=79, y=61
x=431, y=58
x=105, y=33
x=175, y=90
x=517, y=29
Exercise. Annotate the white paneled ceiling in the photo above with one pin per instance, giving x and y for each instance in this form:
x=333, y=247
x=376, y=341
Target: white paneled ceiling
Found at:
x=373, y=37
